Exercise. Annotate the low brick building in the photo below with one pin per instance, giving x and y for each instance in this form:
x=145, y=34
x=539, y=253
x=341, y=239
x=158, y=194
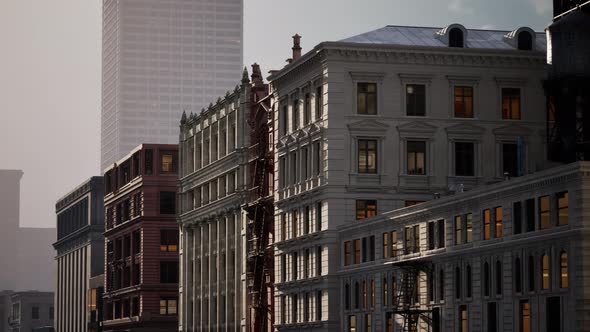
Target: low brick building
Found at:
x=31, y=311
x=141, y=241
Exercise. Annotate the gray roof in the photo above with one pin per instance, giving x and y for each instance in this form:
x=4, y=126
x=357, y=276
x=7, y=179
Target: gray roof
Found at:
x=427, y=36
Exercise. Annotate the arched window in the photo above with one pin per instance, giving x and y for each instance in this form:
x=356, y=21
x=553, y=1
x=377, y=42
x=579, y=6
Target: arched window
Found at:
x=499, y=278
x=531, y=273
x=385, y=292
x=486, y=279
x=393, y=291
x=357, y=295
x=525, y=41
x=517, y=275
x=563, y=275
x=545, y=272
x=456, y=37
x=458, y=282
x=469, y=280
x=347, y=297
x=441, y=285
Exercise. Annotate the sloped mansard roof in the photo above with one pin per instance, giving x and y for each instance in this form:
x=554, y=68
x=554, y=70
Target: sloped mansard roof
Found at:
x=428, y=36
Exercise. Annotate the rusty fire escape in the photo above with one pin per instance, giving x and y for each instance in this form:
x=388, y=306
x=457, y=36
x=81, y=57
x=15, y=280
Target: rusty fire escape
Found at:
x=260, y=260
x=409, y=303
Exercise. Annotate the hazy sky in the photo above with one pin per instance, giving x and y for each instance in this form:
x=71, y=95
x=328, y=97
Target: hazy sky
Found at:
x=50, y=70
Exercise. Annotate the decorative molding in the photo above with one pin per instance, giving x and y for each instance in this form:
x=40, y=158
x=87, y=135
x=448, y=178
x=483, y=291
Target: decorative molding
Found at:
x=417, y=127
x=367, y=76
x=416, y=77
x=512, y=130
x=465, y=130
x=369, y=127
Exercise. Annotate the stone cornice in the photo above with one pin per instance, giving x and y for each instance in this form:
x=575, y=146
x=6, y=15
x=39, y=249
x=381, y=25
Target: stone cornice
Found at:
x=400, y=54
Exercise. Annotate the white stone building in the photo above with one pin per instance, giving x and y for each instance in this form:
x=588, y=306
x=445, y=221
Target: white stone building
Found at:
x=503, y=257
x=384, y=120
x=213, y=180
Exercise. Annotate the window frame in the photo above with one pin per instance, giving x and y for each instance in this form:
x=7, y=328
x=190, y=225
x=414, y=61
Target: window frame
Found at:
x=474, y=162
x=366, y=169
x=507, y=96
x=416, y=152
x=463, y=89
x=423, y=94
x=367, y=94
x=364, y=205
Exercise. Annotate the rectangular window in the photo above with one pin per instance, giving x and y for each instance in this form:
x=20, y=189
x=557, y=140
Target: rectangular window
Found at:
x=305, y=173
x=544, y=216
x=283, y=172
x=149, y=162
x=368, y=323
x=463, y=96
x=441, y=233
x=393, y=244
x=530, y=214
x=498, y=221
x=553, y=314
x=318, y=261
x=284, y=116
x=517, y=217
x=284, y=267
x=307, y=109
x=415, y=99
x=35, y=313
x=367, y=156
x=492, y=317
x=168, y=272
x=463, y=319
x=464, y=159
x=562, y=208
x=469, y=227
x=510, y=103
x=284, y=226
x=294, y=223
x=294, y=168
x=318, y=219
x=458, y=230
x=357, y=251
x=168, y=161
x=307, y=221
x=168, y=240
x=525, y=316
x=168, y=307
x=385, y=245
x=510, y=159
x=416, y=235
x=317, y=158
x=416, y=156
x=167, y=202
x=318, y=306
x=367, y=98
x=431, y=235
x=486, y=224
x=295, y=113
x=366, y=209
x=294, y=262
x=347, y=253
x=283, y=309
x=319, y=102
x=408, y=240
x=352, y=323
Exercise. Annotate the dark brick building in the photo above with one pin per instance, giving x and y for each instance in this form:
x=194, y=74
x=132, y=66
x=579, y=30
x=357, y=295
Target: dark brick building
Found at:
x=141, y=234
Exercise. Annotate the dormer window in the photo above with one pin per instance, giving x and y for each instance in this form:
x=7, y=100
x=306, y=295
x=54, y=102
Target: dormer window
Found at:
x=456, y=38
x=525, y=41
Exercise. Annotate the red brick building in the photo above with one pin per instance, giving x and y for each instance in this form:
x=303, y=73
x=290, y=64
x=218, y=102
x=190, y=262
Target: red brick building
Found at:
x=141, y=241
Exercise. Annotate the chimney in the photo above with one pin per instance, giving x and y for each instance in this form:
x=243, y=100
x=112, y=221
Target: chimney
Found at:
x=256, y=75
x=296, y=47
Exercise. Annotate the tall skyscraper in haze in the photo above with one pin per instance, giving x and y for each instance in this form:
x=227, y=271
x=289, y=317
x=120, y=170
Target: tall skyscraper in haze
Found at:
x=160, y=57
